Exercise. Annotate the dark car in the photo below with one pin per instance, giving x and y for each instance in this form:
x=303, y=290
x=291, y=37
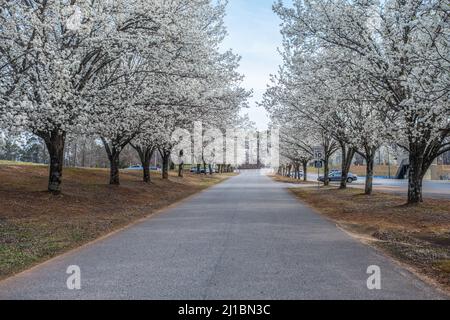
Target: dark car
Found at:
x=137, y=167
x=336, y=176
x=294, y=174
x=195, y=170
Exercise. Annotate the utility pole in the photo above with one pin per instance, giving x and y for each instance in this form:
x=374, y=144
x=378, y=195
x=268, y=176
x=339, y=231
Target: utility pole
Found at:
x=258, y=145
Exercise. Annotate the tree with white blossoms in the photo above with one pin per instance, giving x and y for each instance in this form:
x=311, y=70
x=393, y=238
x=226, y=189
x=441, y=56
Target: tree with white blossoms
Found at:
x=117, y=115
x=297, y=150
x=41, y=54
x=216, y=104
x=86, y=67
x=357, y=118
x=140, y=93
x=223, y=105
x=145, y=144
x=400, y=50
x=184, y=102
x=55, y=50
x=196, y=81
x=299, y=129
x=332, y=99
x=300, y=93
x=170, y=106
x=367, y=139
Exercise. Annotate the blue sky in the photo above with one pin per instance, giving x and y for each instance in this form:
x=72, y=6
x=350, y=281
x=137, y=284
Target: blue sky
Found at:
x=254, y=34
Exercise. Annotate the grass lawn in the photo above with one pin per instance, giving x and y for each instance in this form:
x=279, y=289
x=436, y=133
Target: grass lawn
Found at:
x=418, y=236
x=36, y=226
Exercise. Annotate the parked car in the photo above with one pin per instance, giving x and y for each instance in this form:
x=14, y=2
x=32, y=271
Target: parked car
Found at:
x=135, y=168
x=336, y=176
x=300, y=174
x=194, y=170
x=202, y=170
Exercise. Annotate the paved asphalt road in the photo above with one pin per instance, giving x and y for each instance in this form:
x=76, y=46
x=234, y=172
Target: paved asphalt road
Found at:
x=247, y=238
x=431, y=189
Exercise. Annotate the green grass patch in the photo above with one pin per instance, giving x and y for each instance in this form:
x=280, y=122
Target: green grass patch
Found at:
x=19, y=163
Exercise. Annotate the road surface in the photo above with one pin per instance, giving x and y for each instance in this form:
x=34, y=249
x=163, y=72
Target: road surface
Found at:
x=431, y=188
x=247, y=238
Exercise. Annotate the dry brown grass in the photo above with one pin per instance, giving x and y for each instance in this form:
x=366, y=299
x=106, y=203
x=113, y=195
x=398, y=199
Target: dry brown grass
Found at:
x=35, y=226
x=279, y=178
x=416, y=235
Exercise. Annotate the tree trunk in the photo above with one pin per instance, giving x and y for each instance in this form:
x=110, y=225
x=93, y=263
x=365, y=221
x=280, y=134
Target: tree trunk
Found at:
x=347, y=158
x=114, y=168
x=370, y=159
x=83, y=153
x=75, y=154
x=165, y=169
x=146, y=176
x=416, y=174
x=180, y=170
x=326, y=170
x=305, y=171
x=113, y=153
x=210, y=169
x=165, y=155
x=145, y=155
x=199, y=166
x=55, y=142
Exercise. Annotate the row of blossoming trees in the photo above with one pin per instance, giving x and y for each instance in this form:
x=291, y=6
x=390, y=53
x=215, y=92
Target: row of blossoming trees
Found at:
x=360, y=74
x=127, y=71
